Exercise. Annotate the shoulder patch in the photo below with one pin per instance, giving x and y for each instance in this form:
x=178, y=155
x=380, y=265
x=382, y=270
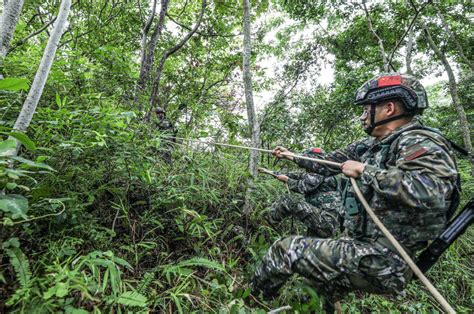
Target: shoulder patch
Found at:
x=414, y=151
x=316, y=150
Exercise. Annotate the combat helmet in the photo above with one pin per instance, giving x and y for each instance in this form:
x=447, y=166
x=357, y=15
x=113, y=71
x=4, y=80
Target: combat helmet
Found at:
x=388, y=86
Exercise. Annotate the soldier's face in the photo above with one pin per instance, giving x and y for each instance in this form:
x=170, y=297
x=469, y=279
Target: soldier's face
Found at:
x=383, y=111
x=365, y=117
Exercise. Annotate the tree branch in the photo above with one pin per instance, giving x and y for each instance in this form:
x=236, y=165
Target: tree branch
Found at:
x=456, y=42
x=147, y=27
x=409, y=51
x=108, y=20
x=191, y=33
x=201, y=33
x=156, y=84
x=386, y=63
x=24, y=40
x=410, y=26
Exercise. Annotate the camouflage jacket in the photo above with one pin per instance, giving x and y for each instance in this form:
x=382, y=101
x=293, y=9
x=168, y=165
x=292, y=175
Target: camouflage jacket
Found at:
x=164, y=125
x=317, y=189
x=409, y=180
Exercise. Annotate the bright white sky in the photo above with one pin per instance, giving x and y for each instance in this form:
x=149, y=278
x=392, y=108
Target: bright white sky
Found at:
x=272, y=65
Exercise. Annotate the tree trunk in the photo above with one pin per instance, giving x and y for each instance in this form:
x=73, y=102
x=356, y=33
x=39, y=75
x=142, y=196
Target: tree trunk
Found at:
x=29, y=107
x=465, y=130
x=8, y=21
x=155, y=92
x=148, y=49
x=409, y=50
x=9, y=18
x=143, y=44
x=251, y=113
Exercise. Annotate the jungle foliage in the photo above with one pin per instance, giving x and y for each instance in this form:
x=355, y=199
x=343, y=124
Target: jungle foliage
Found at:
x=95, y=216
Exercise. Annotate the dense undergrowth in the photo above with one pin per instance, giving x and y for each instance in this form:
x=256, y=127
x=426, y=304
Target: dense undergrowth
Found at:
x=127, y=231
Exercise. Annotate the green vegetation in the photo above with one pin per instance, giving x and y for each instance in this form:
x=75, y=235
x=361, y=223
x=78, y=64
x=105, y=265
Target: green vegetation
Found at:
x=94, y=218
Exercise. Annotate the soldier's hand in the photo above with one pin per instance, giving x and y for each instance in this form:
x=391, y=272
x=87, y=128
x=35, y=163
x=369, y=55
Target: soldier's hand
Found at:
x=282, y=178
x=282, y=152
x=352, y=168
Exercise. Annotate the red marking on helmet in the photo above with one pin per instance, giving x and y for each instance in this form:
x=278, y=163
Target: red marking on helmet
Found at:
x=389, y=81
x=317, y=150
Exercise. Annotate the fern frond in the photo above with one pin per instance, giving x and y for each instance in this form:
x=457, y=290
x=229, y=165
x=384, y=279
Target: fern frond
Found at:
x=21, y=265
x=203, y=262
x=132, y=298
x=145, y=282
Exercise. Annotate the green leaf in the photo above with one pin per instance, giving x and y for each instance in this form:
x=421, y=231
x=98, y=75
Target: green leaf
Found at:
x=203, y=262
x=7, y=147
x=24, y=139
x=11, y=185
x=7, y=222
x=51, y=291
x=246, y=293
x=32, y=164
x=132, y=298
x=72, y=310
x=14, y=84
x=62, y=289
x=12, y=242
x=58, y=100
x=180, y=270
x=16, y=204
x=177, y=302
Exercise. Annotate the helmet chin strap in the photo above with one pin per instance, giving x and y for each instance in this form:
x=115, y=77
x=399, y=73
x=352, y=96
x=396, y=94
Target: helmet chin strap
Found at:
x=374, y=124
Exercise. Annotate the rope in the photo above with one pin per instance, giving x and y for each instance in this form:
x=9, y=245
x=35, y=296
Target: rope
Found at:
x=321, y=161
x=266, y=171
x=372, y=215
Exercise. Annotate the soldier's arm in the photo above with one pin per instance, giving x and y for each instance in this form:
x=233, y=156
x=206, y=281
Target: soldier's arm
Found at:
x=423, y=177
x=308, y=183
x=338, y=155
x=295, y=175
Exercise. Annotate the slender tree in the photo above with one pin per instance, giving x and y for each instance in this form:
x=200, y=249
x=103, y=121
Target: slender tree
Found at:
x=251, y=112
x=453, y=90
x=31, y=102
x=8, y=20
x=155, y=92
x=149, y=46
x=409, y=50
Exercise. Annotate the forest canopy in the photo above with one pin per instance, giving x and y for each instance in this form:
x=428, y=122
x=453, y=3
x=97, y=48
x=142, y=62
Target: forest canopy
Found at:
x=115, y=199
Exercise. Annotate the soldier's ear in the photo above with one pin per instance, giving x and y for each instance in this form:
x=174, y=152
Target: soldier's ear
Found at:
x=391, y=109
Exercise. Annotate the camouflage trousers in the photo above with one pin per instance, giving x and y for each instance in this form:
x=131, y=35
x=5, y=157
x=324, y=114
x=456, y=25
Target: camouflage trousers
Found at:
x=323, y=221
x=333, y=267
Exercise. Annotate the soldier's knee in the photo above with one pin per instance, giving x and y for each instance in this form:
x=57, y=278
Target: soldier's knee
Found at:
x=282, y=208
x=285, y=243
x=288, y=249
x=286, y=201
x=282, y=246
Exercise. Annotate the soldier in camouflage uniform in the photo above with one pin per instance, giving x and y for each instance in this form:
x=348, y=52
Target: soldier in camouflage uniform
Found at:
x=168, y=133
x=407, y=173
x=320, y=210
x=162, y=123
